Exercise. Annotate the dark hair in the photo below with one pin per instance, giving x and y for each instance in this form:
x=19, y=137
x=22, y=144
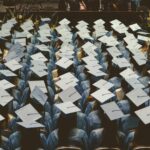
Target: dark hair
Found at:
x=110, y=137
x=30, y=139
x=142, y=135
x=65, y=124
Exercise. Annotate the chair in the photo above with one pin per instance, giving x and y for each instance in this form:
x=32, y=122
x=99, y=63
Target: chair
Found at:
x=142, y=148
x=68, y=148
x=107, y=148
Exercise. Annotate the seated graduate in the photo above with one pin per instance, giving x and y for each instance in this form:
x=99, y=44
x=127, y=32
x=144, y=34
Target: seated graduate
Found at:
x=67, y=134
x=109, y=136
x=72, y=5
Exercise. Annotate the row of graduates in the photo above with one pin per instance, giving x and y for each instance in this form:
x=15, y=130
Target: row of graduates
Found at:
x=103, y=5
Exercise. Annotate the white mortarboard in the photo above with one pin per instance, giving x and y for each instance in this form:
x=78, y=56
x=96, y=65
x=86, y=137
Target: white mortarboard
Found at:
x=143, y=33
x=130, y=38
x=135, y=51
x=128, y=73
x=45, y=19
x=93, y=67
x=67, y=54
x=43, y=39
x=102, y=95
x=82, y=22
x=99, y=21
x=115, y=21
x=39, y=63
x=144, y=114
x=21, y=41
x=20, y=34
x=28, y=113
x=114, y=51
x=12, y=21
x=30, y=125
x=70, y=94
x=14, y=55
x=112, y=110
x=8, y=73
x=99, y=33
x=42, y=47
x=39, y=71
x=135, y=83
x=39, y=56
x=82, y=26
x=90, y=51
x=97, y=73
x=27, y=26
x=67, y=107
x=4, y=84
x=66, y=83
x=68, y=76
x=143, y=38
x=103, y=84
x=140, y=59
x=64, y=21
x=39, y=95
x=90, y=60
x=120, y=28
x=40, y=84
x=110, y=41
x=64, y=62
x=135, y=27
x=138, y=96
x=88, y=45
x=121, y=62
x=44, y=33
x=13, y=65
x=5, y=33
x=1, y=118
x=44, y=27
x=5, y=97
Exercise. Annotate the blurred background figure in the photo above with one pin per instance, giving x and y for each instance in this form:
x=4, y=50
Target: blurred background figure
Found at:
x=72, y=5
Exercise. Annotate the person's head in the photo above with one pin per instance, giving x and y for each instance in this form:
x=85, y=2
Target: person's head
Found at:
x=110, y=136
x=30, y=139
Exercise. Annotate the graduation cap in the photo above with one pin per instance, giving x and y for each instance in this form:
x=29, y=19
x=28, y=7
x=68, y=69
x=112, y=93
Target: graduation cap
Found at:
x=113, y=111
x=67, y=108
x=102, y=95
x=138, y=96
x=5, y=97
x=144, y=114
x=103, y=84
x=70, y=95
x=13, y=65
x=39, y=95
x=64, y=63
x=39, y=83
x=4, y=84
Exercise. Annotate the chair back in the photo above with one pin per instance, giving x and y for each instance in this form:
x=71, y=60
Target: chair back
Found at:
x=68, y=148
